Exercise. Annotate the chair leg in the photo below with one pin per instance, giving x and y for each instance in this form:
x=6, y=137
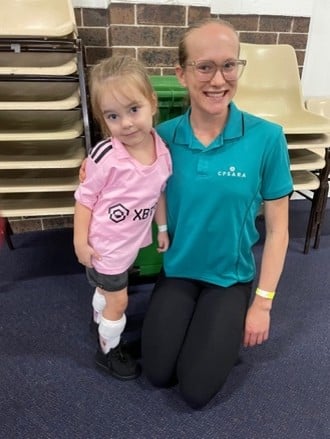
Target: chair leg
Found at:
x=321, y=214
x=83, y=95
x=323, y=195
x=313, y=220
x=309, y=233
x=319, y=203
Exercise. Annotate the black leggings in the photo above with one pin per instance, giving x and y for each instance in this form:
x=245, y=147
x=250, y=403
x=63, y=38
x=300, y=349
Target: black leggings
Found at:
x=192, y=334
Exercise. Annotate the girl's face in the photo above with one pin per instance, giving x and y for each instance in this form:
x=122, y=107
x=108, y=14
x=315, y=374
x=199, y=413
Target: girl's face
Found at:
x=127, y=113
x=217, y=43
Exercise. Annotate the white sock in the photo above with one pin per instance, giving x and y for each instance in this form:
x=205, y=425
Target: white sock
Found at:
x=110, y=332
x=98, y=303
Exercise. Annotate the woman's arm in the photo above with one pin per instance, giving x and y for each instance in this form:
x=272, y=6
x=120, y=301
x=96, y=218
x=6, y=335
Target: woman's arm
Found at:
x=277, y=237
x=81, y=221
x=82, y=171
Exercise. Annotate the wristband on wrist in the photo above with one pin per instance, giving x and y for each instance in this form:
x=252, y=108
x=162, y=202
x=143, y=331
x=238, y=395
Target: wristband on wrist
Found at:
x=162, y=228
x=265, y=294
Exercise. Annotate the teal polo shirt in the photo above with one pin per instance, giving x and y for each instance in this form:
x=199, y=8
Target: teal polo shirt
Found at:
x=215, y=193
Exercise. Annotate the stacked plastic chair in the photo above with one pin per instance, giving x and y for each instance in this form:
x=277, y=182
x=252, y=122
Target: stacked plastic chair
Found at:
x=271, y=88
x=44, y=117
x=319, y=106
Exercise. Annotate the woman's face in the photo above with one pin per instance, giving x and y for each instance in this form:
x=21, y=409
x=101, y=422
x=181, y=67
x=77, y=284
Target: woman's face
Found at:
x=212, y=42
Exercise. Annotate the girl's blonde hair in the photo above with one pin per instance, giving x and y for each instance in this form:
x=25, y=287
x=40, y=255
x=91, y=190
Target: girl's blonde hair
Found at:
x=129, y=72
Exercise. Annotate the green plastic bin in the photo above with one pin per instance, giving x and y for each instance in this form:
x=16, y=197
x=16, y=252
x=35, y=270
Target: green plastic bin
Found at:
x=172, y=101
x=172, y=97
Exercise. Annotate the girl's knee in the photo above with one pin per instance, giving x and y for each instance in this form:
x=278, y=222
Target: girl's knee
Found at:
x=117, y=300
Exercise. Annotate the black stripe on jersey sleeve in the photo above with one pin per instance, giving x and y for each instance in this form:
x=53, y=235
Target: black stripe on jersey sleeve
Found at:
x=98, y=152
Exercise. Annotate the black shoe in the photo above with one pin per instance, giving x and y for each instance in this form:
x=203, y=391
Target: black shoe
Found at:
x=118, y=363
x=134, y=348
x=94, y=328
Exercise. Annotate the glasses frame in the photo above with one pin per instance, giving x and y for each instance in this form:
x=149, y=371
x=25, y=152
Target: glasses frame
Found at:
x=239, y=62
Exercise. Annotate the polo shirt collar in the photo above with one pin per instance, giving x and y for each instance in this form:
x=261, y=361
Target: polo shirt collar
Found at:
x=234, y=128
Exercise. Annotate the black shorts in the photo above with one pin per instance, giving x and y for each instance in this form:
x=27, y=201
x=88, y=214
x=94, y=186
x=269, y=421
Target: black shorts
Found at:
x=107, y=282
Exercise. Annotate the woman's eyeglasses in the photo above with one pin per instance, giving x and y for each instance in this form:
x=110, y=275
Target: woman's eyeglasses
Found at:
x=230, y=70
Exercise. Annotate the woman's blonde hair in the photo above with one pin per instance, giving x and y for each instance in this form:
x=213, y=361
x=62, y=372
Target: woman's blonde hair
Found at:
x=182, y=47
x=126, y=70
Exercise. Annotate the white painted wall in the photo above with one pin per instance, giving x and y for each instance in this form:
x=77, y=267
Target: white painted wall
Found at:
x=301, y=8
x=105, y=3
x=102, y=4
x=315, y=78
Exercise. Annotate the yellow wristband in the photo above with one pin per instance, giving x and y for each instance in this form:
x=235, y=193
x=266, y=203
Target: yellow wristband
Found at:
x=266, y=294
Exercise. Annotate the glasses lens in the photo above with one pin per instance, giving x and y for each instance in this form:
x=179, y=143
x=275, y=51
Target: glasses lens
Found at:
x=229, y=70
x=205, y=70
x=232, y=70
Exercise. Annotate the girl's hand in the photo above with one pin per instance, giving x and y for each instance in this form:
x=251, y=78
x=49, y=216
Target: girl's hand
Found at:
x=163, y=242
x=85, y=253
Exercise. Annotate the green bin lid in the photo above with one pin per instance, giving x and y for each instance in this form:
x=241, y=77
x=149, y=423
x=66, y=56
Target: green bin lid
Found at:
x=167, y=86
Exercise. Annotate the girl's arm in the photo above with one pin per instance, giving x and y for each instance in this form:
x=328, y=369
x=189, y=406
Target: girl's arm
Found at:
x=81, y=221
x=160, y=219
x=277, y=237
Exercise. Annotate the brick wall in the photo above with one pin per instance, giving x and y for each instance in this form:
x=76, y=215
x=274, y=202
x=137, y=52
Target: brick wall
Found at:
x=151, y=33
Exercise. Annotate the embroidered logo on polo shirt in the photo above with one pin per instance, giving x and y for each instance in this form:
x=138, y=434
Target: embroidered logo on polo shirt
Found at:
x=231, y=172
x=118, y=213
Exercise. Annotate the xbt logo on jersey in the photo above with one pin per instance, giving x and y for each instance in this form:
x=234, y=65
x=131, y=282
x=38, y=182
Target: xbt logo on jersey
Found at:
x=118, y=213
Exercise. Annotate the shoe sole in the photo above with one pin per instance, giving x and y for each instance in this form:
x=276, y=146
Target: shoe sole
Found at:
x=116, y=375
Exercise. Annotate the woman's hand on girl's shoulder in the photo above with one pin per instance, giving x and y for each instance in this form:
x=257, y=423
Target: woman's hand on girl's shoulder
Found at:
x=82, y=171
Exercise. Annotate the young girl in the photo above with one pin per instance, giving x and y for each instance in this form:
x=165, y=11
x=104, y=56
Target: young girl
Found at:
x=123, y=191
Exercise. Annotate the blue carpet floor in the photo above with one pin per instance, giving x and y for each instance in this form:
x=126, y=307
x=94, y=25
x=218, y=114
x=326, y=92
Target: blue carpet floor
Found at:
x=50, y=389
